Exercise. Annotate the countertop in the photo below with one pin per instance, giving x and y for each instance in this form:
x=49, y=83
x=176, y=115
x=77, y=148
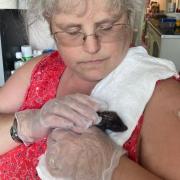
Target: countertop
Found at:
x=164, y=33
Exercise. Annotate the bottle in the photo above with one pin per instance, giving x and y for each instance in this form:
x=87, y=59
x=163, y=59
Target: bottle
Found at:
x=20, y=60
x=171, y=6
x=26, y=52
x=174, y=6
x=177, y=31
x=37, y=53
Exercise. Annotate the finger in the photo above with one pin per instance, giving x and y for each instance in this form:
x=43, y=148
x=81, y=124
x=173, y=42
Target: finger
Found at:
x=88, y=113
x=78, y=130
x=64, y=116
x=55, y=121
x=94, y=103
x=60, y=107
x=80, y=114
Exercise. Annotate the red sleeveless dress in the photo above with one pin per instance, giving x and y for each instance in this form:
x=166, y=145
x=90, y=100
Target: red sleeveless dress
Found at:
x=20, y=163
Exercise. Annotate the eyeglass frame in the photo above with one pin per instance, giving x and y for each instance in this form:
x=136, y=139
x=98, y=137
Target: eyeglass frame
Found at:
x=84, y=37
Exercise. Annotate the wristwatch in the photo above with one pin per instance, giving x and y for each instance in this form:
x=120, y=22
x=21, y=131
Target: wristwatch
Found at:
x=13, y=132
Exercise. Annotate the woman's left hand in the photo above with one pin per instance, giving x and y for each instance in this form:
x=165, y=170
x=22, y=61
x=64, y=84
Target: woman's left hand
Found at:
x=91, y=155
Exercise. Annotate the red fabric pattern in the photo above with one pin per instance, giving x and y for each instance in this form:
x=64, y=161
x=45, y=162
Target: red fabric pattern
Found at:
x=20, y=163
x=131, y=144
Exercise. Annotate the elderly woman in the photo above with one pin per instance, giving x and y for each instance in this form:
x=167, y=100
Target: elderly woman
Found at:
x=93, y=58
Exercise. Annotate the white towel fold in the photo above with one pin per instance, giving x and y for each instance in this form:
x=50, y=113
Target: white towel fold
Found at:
x=130, y=86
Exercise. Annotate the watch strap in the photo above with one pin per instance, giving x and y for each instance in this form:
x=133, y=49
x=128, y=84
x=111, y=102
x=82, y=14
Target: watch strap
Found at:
x=13, y=132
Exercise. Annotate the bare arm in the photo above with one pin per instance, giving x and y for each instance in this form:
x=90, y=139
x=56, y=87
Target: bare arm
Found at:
x=6, y=142
x=160, y=145
x=13, y=92
x=11, y=98
x=161, y=131
x=129, y=170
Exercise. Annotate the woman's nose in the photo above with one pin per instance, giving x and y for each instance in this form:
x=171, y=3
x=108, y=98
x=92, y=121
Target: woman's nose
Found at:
x=91, y=44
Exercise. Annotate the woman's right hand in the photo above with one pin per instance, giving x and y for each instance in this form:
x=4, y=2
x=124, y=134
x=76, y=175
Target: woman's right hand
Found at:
x=76, y=112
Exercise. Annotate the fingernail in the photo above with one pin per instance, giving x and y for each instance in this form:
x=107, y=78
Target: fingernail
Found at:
x=98, y=120
x=89, y=124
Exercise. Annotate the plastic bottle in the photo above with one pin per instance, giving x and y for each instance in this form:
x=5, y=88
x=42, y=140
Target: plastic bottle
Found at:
x=26, y=52
x=37, y=53
x=177, y=31
x=20, y=60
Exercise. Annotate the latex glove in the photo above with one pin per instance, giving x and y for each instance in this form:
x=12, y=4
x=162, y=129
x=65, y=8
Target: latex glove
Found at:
x=76, y=112
x=87, y=156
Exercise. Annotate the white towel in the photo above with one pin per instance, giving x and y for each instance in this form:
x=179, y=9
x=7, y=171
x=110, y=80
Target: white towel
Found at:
x=126, y=90
x=130, y=86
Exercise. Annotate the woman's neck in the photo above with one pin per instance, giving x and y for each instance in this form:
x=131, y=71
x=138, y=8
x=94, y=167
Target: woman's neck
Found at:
x=70, y=83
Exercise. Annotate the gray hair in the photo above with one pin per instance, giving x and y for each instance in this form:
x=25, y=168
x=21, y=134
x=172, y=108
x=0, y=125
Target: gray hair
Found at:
x=47, y=8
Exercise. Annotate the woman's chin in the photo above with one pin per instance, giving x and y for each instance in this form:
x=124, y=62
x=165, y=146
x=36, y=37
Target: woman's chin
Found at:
x=93, y=77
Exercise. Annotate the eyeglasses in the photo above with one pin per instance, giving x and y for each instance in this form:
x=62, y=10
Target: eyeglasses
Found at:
x=112, y=33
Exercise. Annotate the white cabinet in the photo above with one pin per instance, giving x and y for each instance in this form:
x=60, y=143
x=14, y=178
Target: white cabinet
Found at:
x=170, y=49
x=163, y=46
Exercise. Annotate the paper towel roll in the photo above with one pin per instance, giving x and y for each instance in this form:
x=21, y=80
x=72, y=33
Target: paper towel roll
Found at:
x=8, y=4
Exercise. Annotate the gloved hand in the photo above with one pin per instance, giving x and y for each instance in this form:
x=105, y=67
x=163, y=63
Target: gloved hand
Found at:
x=76, y=112
x=86, y=156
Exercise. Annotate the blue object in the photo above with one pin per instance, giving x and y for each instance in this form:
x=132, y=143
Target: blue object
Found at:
x=48, y=51
x=164, y=20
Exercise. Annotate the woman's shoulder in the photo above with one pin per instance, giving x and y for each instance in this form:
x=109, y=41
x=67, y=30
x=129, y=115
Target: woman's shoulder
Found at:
x=13, y=91
x=161, y=131
x=164, y=103
x=50, y=61
x=166, y=93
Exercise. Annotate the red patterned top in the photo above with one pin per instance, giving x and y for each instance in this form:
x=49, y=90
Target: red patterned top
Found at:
x=20, y=163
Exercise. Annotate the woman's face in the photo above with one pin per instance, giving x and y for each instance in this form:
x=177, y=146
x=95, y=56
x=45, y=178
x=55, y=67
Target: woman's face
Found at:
x=94, y=59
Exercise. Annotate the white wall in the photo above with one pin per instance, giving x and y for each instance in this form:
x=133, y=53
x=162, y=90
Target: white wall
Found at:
x=40, y=36
x=163, y=4
x=8, y=4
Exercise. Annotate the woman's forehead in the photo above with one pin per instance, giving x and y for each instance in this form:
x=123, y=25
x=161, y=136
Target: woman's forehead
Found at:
x=82, y=7
x=91, y=11
x=90, y=19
